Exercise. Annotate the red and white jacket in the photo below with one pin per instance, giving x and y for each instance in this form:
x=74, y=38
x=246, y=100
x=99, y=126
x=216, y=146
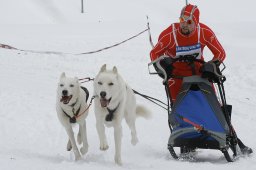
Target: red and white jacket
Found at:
x=166, y=43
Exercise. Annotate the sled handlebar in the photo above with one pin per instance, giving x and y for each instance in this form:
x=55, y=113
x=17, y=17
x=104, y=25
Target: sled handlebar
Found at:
x=164, y=62
x=188, y=58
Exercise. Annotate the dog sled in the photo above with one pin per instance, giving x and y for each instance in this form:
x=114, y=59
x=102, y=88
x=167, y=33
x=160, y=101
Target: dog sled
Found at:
x=198, y=119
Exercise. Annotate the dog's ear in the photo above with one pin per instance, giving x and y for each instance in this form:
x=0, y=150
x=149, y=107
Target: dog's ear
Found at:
x=63, y=75
x=103, y=68
x=115, y=69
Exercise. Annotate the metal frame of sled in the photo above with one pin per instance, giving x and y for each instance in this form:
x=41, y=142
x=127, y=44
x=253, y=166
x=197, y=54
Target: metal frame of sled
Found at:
x=207, y=138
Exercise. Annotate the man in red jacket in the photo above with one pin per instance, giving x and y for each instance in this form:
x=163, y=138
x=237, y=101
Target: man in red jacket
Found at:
x=185, y=38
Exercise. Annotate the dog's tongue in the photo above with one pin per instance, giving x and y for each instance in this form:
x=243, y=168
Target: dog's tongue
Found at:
x=65, y=99
x=104, y=102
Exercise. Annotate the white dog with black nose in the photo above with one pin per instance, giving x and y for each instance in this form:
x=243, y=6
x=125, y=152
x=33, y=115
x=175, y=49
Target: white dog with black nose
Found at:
x=114, y=101
x=72, y=108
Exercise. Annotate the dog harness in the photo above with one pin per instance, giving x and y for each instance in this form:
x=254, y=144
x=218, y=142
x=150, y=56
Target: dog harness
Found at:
x=109, y=117
x=73, y=119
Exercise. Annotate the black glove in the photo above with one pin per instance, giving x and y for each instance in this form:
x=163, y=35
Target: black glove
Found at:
x=160, y=74
x=211, y=70
x=166, y=63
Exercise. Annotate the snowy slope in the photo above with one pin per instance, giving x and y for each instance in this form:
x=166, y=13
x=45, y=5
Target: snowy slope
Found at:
x=31, y=135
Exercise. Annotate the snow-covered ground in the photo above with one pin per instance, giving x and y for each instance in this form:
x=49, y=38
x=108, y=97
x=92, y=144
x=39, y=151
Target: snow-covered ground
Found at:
x=31, y=135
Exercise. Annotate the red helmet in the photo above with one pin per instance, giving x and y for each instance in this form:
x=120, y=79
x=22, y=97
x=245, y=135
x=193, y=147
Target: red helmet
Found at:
x=192, y=11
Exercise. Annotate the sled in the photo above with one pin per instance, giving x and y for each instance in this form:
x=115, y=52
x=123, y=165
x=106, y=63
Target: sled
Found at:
x=198, y=119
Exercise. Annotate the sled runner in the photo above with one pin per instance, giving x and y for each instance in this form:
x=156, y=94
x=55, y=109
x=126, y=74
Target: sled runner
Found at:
x=197, y=118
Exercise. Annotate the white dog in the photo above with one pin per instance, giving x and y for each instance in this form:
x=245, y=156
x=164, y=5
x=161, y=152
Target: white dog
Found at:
x=114, y=101
x=72, y=108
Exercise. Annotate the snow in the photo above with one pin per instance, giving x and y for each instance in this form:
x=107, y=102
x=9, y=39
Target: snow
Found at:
x=31, y=135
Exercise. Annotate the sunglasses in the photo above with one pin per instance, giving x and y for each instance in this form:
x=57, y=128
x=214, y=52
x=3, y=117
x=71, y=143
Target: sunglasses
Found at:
x=189, y=21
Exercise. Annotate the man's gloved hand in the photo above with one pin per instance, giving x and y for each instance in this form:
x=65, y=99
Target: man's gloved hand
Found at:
x=211, y=71
x=166, y=64
x=160, y=74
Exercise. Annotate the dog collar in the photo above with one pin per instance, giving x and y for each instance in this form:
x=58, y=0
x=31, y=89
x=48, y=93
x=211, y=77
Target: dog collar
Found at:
x=110, y=115
x=72, y=119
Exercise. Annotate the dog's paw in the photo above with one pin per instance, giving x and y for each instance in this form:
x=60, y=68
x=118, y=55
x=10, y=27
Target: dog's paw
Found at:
x=118, y=160
x=104, y=147
x=77, y=155
x=69, y=146
x=84, y=150
x=134, y=140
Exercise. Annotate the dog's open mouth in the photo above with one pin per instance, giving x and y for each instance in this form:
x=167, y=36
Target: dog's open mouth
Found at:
x=66, y=99
x=104, y=102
